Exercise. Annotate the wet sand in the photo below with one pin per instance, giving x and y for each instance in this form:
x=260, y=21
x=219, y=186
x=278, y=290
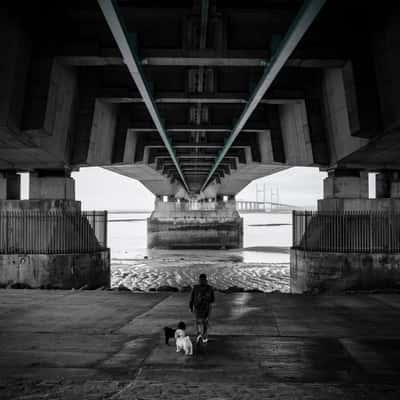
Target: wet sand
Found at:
x=262, y=264
x=181, y=269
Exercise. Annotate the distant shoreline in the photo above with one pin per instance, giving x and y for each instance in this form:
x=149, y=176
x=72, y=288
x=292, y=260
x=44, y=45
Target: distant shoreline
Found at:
x=268, y=249
x=269, y=224
x=127, y=220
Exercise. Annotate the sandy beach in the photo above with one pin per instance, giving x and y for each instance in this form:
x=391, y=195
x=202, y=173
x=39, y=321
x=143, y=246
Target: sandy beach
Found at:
x=262, y=264
x=181, y=269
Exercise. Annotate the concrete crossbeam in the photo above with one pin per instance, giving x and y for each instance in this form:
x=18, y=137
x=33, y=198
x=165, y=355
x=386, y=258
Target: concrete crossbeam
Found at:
x=201, y=59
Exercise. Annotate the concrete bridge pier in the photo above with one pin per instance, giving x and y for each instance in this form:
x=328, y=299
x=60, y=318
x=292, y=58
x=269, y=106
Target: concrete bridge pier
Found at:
x=47, y=241
x=352, y=241
x=10, y=183
x=205, y=224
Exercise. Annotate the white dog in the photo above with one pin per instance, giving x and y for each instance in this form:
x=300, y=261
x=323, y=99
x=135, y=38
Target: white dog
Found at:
x=183, y=341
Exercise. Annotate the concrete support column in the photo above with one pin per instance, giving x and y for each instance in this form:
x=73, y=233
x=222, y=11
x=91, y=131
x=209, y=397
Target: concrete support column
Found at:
x=66, y=266
x=382, y=185
x=344, y=266
x=395, y=185
x=10, y=185
x=347, y=184
x=3, y=186
x=345, y=190
x=192, y=224
x=51, y=185
x=388, y=184
x=158, y=199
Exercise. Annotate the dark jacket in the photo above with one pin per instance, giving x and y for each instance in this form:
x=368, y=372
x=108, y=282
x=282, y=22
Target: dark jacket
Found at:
x=201, y=298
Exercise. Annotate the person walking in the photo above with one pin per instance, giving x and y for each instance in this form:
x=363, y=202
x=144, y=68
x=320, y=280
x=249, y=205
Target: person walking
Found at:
x=201, y=298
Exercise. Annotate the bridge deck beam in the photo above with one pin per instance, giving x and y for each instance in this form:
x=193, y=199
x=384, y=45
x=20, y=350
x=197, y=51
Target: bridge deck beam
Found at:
x=298, y=28
x=126, y=47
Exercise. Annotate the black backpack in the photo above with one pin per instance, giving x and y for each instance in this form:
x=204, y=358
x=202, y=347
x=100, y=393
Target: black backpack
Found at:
x=202, y=298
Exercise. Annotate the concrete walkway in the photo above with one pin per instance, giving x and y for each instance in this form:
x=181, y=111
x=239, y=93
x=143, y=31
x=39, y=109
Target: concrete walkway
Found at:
x=108, y=345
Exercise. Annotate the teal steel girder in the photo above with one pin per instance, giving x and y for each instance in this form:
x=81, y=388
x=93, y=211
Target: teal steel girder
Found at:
x=127, y=48
x=304, y=18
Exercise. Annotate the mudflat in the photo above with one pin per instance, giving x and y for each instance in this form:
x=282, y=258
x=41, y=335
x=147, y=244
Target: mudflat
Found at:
x=108, y=344
x=224, y=269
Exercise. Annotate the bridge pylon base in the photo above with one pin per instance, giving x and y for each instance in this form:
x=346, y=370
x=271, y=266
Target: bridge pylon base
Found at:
x=175, y=226
x=52, y=244
x=351, y=242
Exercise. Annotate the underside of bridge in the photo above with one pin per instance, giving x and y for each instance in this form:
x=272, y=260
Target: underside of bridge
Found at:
x=196, y=99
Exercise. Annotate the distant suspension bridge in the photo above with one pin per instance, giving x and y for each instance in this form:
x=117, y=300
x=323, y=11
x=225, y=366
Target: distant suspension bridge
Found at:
x=261, y=205
x=245, y=206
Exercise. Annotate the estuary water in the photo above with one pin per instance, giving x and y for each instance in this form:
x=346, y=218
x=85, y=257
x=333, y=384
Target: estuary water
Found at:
x=262, y=263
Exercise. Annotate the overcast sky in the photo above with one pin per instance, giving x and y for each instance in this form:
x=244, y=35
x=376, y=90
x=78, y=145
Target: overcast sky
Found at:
x=98, y=188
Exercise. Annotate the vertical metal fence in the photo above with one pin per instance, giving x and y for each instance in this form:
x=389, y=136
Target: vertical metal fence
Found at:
x=348, y=231
x=35, y=232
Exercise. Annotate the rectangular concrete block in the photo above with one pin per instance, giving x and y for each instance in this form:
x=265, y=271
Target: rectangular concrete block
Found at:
x=13, y=186
x=51, y=187
x=58, y=271
x=395, y=189
x=10, y=186
x=195, y=234
x=3, y=187
x=323, y=271
x=345, y=187
x=382, y=186
x=174, y=225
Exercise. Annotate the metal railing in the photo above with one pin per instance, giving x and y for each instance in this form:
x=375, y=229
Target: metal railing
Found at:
x=36, y=232
x=347, y=232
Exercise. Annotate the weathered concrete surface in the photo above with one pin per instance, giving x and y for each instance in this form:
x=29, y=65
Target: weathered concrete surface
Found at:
x=173, y=226
x=45, y=268
x=341, y=204
x=58, y=271
x=200, y=233
x=312, y=270
x=51, y=187
x=101, y=344
x=348, y=187
x=44, y=205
